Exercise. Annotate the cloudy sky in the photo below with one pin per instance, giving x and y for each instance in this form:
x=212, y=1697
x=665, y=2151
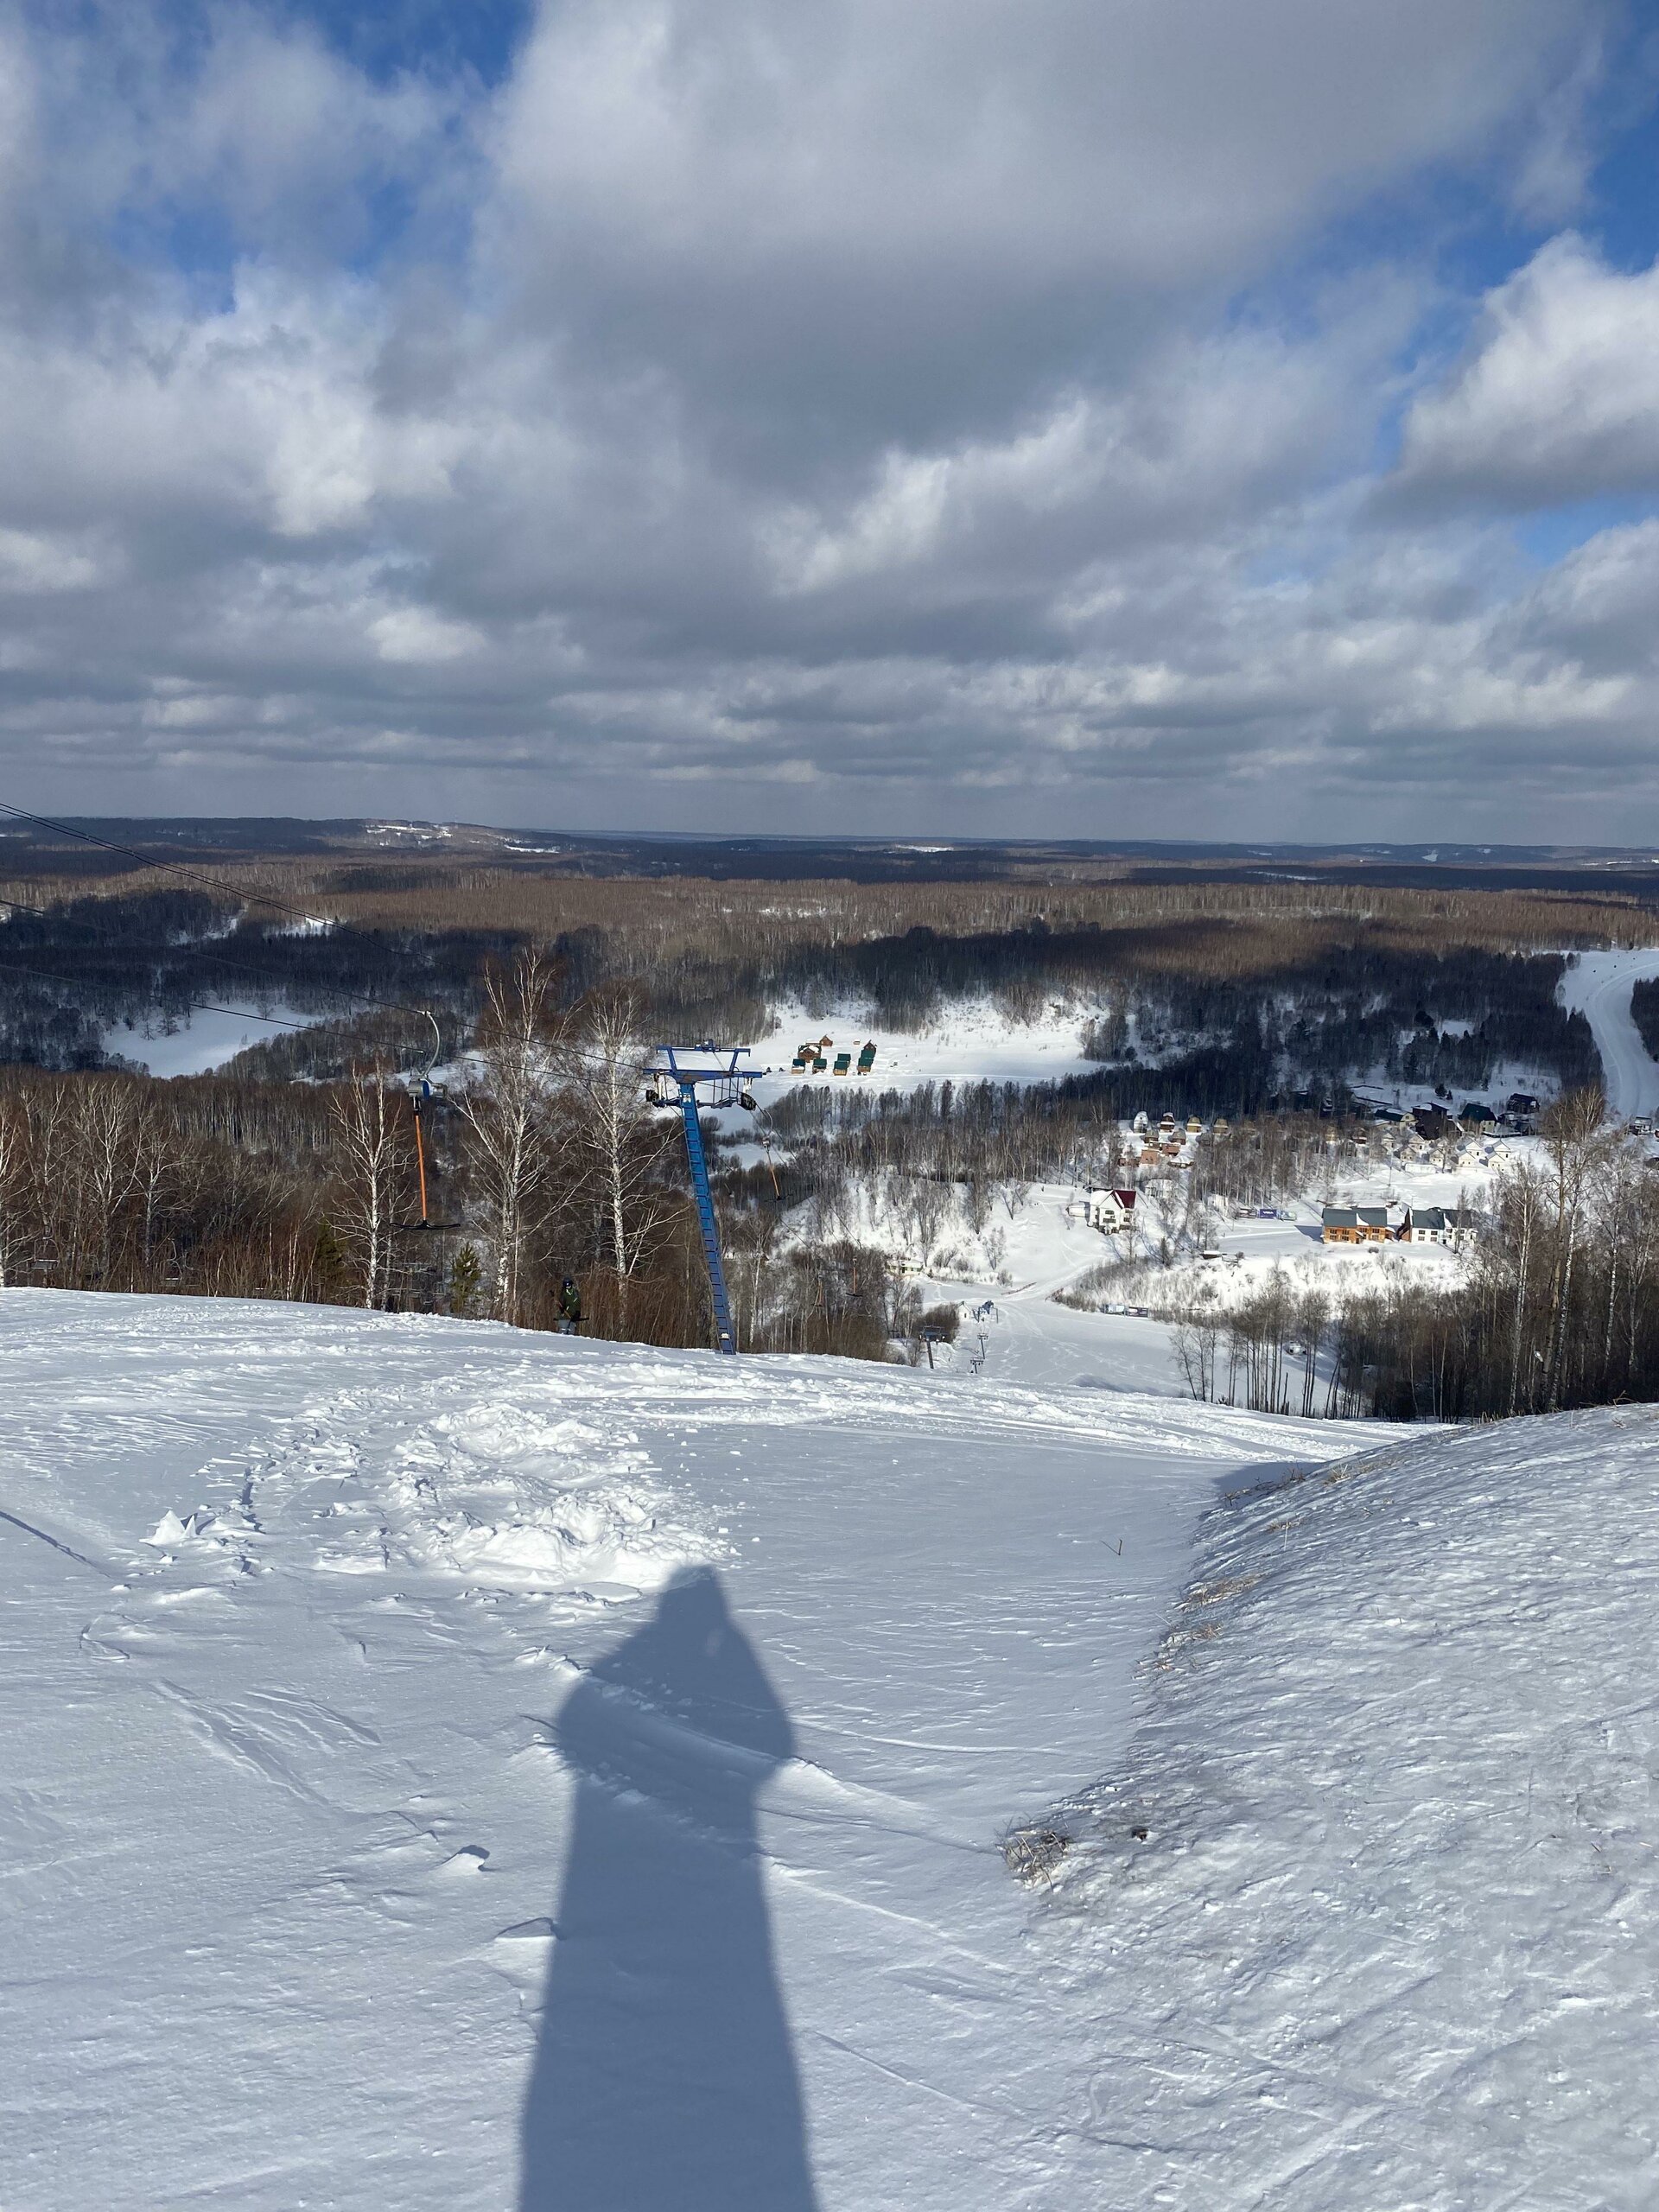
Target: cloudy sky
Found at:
x=1096, y=418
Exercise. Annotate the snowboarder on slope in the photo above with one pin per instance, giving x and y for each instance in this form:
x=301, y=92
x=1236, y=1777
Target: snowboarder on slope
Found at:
x=569, y=1307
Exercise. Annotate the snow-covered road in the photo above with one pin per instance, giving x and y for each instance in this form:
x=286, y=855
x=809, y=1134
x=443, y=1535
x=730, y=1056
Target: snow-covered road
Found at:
x=1600, y=987
x=448, y=1768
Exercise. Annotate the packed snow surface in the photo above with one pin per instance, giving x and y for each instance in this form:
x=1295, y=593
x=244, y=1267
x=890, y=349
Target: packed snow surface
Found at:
x=449, y=1768
x=452, y=1769
x=1599, y=986
x=1369, y=1916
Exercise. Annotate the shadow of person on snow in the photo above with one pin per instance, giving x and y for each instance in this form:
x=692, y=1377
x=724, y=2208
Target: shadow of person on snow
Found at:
x=664, y=2080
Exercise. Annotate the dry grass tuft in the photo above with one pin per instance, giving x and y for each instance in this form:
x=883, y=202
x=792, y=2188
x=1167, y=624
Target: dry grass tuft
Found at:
x=1033, y=1853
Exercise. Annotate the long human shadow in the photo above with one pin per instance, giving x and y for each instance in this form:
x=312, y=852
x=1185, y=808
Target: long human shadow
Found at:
x=664, y=2080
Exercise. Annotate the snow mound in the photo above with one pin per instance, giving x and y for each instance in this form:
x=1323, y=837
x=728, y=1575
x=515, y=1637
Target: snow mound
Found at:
x=503, y=1493
x=612, y=1535
x=509, y=1491
x=1377, y=1889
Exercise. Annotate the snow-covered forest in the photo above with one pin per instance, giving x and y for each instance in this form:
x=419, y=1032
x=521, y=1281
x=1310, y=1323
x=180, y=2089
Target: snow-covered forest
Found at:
x=1015, y=1041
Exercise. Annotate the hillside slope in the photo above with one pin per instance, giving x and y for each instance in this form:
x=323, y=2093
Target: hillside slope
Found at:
x=1391, y=1936
x=449, y=1768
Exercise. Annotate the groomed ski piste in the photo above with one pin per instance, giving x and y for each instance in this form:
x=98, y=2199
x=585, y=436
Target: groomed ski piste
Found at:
x=449, y=1768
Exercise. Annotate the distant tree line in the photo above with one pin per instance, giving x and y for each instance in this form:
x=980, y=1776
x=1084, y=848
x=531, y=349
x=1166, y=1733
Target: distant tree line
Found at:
x=1277, y=985
x=1365, y=1011
x=1644, y=1006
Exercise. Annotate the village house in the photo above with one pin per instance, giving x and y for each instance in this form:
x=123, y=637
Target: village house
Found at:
x=1110, y=1211
x=1448, y=1226
x=1364, y=1224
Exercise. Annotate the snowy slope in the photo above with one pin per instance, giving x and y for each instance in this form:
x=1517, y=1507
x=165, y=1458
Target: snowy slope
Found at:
x=203, y=1041
x=452, y=1769
x=1392, y=1937
x=1599, y=986
x=970, y=1040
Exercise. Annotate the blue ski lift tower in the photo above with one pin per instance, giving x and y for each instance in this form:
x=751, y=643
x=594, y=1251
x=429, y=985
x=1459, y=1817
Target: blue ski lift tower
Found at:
x=684, y=1067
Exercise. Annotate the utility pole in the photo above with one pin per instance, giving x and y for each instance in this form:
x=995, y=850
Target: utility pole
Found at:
x=685, y=1067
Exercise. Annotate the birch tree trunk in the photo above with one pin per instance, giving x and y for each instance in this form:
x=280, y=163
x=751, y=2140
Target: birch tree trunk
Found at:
x=506, y=1115
x=375, y=1154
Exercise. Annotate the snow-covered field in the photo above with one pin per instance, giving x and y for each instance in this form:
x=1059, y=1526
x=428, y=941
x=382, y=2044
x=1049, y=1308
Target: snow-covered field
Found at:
x=449, y=1768
x=971, y=1041
x=207, y=1039
x=452, y=1769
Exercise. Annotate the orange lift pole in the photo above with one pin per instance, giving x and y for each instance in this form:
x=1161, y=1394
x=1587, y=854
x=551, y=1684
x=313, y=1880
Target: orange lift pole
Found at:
x=420, y=1157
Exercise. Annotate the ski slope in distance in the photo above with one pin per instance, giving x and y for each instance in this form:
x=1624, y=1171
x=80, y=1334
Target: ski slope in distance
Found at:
x=1599, y=986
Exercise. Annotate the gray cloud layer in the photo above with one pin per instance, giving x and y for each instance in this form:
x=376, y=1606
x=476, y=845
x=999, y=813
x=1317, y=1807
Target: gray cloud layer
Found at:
x=824, y=418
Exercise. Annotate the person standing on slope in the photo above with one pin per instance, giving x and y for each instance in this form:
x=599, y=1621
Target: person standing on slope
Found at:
x=569, y=1307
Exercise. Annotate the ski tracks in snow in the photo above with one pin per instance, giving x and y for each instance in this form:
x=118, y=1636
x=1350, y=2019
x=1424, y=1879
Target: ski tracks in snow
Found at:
x=417, y=1609
x=397, y=1535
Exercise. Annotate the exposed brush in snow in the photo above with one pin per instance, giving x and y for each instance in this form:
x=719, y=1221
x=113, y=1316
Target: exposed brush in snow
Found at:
x=1033, y=1853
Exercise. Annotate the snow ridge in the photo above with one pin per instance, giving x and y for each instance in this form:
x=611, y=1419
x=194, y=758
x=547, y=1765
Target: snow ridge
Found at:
x=312, y=1811
x=1391, y=1934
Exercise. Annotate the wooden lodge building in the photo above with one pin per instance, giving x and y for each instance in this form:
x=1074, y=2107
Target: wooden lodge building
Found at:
x=1448, y=1226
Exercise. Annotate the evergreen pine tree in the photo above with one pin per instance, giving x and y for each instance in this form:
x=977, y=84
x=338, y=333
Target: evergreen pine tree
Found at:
x=465, y=1278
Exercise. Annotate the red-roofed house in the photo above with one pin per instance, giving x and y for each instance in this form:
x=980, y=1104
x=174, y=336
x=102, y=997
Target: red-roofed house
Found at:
x=1110, y=1211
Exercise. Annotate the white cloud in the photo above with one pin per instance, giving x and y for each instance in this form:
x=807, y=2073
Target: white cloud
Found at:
x=877, y=405
x=1559, y=398
x=417, y=636
x=30, y=561
x=1058, y=136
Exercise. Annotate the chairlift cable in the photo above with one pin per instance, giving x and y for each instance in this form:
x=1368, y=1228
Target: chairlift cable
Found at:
x=169, y=868
x=183, y=951
x=8, y=967
x=217, y=960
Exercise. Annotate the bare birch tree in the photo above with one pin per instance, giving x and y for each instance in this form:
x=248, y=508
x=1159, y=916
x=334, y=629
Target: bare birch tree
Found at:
x=625, y=1141
x=374, y=1159
x=1578, y=1143
x=158, y=1159
x=507, y=1115
x=15, y=1186
x=105, y=1168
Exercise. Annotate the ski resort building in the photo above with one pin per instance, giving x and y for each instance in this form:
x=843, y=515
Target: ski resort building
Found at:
x=1364, y=1224
x=1449, y=1225
x=1111, y=1210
